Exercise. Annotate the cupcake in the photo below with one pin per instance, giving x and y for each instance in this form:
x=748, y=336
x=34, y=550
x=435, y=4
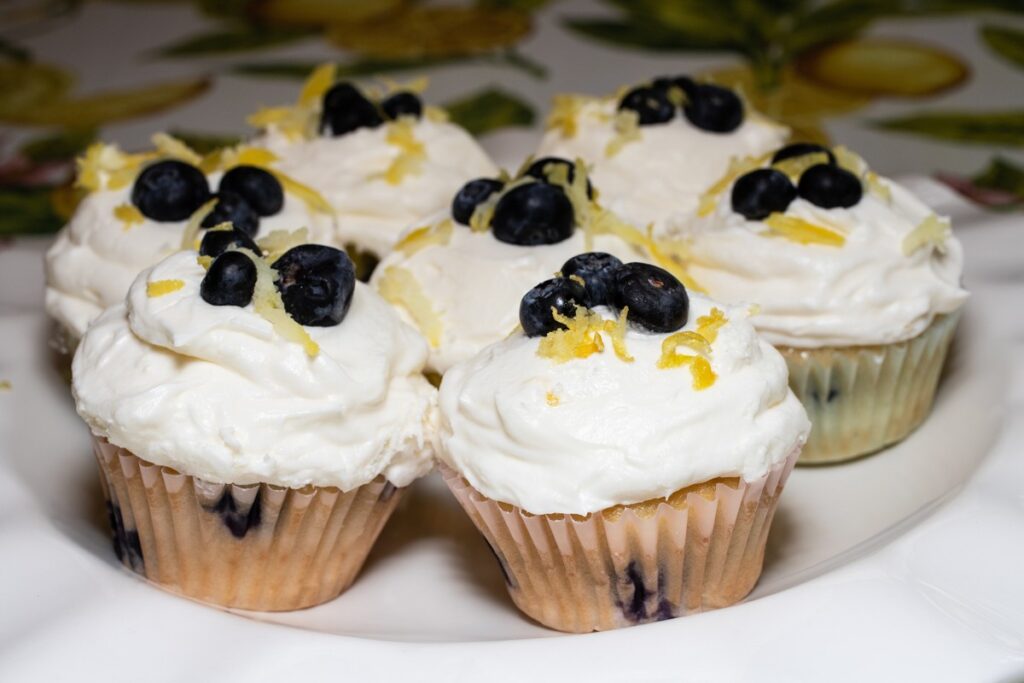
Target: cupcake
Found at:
x=656, y=147
x=459, y=277
x=140, y=208
x=380, y=156
x=255, y=420
x=857, y=283
x=623, y=460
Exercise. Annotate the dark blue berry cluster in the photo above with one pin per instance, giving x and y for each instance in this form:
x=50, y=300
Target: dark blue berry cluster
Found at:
x=764, y=191
x=709, y=107
x=346, y=108
x=656, y=299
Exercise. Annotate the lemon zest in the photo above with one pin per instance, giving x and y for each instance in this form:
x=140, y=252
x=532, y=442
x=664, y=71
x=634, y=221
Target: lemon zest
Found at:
x=850, y=160
x=204, y=261
x=173, y=148
x=794, y=167
x=190, y=237
x=565, y=110
x=267, y=302
x=708, y=325
x=802, y=232
x=399, y=287
x=435, y=114
x=425, y=236
x=552, y=399
x=931, y=232
x=317, y=84
x=129, y=215
x=411, y=155
x=627, y=129
x=737, y=167
x=582, y=338
x=313, y=199
x=699, y=343
x=277, y=242
x=878, y=187
x=157, y=288
x=105, y=166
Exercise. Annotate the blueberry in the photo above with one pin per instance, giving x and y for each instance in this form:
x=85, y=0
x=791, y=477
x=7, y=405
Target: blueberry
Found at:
x=316, y=284
x=216, y=242
x=231, y=208
x=346, y=109
x=762, y=192
x=651, y=105
x=657, y=300
x=472, y=194
x=559, y=293
x=799, y=149
x=402, y=104
x=258, y=187
x=830, y=186
x=170, y=190
x=597, y=270
x=538, y=170
x=532, y=214
x=713, y=108
x=230, y=280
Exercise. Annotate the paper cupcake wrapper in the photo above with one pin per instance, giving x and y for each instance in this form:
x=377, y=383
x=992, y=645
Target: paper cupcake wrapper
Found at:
x=257, y=547
x=863, y=398
x=700, y=549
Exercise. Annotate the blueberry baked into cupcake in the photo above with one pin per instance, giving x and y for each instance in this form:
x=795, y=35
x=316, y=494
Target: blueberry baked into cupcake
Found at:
x=460, y=276
x=656, y=147
x=140, y=208
x=623, y=454
x=255, y=416
x=856, y=280
x=381, y=157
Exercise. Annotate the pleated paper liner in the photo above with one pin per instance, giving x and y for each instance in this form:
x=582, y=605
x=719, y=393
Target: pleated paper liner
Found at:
x=700, y=549
x=863, y=398
x=256, y=547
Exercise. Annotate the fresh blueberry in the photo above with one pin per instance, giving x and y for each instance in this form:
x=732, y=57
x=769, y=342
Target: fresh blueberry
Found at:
x=346, y=109
x=532, y=214
x=316, y=284
x=402, y=103
x=657, y=301
x=231, y=208
x=258, y=187
x=230, y=280
x=830, y=186
x=170, y=190
x=560, y=293
x=472, y=194
x=597, y=270
x=651, y=105
x=762, y=192
x=539, y=169
x=216, y=242
x=799, y=149
x=713, y=108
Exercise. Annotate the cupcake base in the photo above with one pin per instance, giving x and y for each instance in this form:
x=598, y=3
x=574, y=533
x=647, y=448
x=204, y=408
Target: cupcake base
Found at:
x=256, y=547
x=863, y=398
x=699, y=549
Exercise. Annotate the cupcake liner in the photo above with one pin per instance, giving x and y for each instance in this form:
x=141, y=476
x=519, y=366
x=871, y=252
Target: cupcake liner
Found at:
x=257, y=547
x=863, y=398
x=699, y=549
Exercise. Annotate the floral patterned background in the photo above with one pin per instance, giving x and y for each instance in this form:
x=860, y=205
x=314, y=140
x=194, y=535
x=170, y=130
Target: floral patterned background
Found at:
x=918, y=86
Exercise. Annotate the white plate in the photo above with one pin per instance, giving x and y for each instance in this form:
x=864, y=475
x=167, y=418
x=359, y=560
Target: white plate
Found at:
x=843, y=577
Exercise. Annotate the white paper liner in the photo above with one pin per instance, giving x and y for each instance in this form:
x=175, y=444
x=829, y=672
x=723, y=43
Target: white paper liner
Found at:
x=631, y=565
x=257, y=547
x=861, y=399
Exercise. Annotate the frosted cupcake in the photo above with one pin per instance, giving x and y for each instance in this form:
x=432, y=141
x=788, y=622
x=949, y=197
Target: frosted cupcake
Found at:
x=624, y=461
x=255, y=420
x=460, y=276
x=141, y=208
x=382, y=159
x=656, y=147
x=856, y=280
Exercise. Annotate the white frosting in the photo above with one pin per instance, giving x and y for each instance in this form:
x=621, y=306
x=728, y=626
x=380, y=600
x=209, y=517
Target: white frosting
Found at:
x=862, y=293
x=215, y=392
x=475, y=283
x=664, y=172
x=621, y=432
x=348, y=169
x=96, y=258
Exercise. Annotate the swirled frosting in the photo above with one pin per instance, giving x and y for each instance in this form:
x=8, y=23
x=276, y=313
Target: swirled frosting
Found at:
x=472, y=283
x=587, y=434
x=351, y=171
x=96, y=256
x=215, y=392
x=664, y=170
x=867, y=291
